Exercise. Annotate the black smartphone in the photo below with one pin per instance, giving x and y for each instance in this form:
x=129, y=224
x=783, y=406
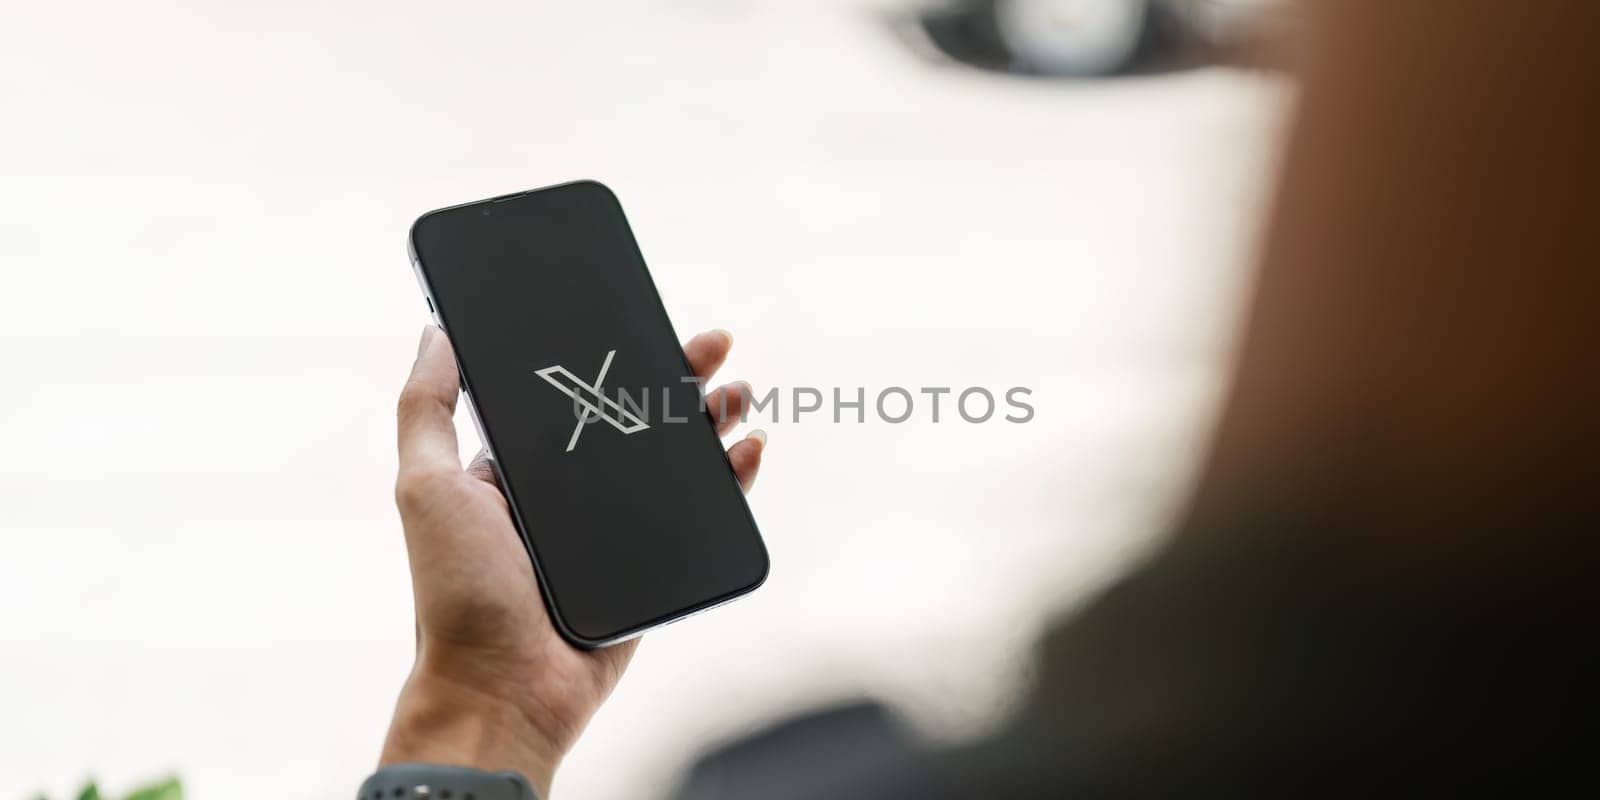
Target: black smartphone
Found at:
x=616, y=478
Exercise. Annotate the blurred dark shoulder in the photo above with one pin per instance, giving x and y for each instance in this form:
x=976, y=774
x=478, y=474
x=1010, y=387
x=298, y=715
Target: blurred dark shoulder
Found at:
x=1246, y=662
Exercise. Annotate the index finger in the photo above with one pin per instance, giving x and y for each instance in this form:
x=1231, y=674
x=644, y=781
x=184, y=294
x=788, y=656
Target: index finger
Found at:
x=707, y=351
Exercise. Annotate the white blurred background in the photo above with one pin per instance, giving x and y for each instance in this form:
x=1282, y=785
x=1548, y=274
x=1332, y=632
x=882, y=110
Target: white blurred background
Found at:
x=203, y=208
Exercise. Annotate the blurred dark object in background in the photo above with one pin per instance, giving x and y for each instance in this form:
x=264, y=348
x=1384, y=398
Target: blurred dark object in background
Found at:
x=1093, y=38
x=801, y=758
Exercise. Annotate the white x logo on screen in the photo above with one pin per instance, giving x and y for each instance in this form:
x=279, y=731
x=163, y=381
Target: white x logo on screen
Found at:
x=592, y=400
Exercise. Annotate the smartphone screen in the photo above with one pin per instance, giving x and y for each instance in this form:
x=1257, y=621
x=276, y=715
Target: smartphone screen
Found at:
x=617, y=480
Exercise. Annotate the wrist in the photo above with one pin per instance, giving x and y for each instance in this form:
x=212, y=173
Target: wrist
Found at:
x=441, y=718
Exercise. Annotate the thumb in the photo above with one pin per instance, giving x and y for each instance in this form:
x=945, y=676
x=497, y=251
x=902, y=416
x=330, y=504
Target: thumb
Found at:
x=427, y=407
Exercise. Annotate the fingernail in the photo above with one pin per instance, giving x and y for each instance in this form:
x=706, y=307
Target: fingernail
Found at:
x=427, y=337
x=758, y=435
x=726, y=334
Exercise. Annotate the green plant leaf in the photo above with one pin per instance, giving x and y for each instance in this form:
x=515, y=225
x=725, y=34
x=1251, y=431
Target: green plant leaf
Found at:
x=89, y=792
x=169, y=789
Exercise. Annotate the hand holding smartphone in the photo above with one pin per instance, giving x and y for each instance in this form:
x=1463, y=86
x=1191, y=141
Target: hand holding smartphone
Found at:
x=494, y=686
x=614, y=476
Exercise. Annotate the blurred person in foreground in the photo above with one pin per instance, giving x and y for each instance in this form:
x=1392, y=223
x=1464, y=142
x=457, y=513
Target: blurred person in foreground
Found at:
x=1380, y=583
